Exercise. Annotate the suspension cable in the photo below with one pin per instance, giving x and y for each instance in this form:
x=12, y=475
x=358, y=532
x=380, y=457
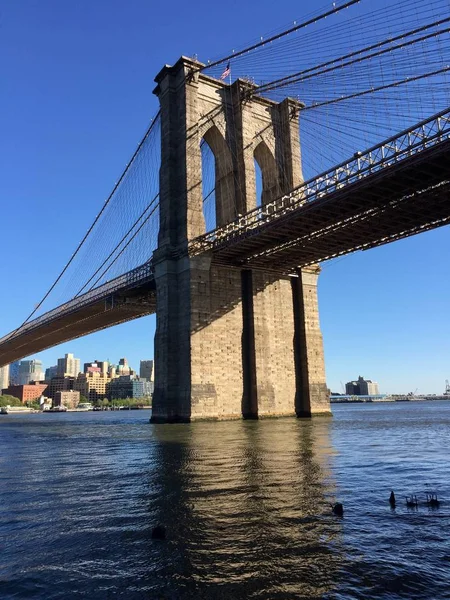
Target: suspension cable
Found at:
x=333, y=11
x=299, y=76
x=377, y=89
x=107, y=201
x=124, y=248
x=116, y=247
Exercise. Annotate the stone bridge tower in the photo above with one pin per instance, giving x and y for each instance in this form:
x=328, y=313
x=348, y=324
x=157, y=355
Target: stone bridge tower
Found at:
x=229, y=342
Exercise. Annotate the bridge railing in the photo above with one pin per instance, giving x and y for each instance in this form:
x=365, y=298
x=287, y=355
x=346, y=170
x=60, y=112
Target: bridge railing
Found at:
x=126, y=281
x=407, y=143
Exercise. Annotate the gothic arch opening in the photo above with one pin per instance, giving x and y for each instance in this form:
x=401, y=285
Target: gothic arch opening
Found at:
x=208, y=185
x=258, y=182
x=269, y=173
x=219, y=206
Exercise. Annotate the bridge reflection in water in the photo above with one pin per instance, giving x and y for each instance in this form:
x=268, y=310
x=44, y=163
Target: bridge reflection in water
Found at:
x=246, y=506
x=251, y=518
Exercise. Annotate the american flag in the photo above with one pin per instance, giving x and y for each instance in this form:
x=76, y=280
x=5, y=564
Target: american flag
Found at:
x=226, y=72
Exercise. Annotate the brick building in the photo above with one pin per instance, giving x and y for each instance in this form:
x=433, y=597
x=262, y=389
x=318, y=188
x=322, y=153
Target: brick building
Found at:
x=69, y=399
x=26, y=393
x=60, y=383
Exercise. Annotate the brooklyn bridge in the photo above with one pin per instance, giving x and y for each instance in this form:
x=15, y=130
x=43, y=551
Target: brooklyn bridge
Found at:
x=215, y=228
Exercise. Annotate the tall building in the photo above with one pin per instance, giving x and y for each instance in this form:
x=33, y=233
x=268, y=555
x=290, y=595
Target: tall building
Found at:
x=51, y=372
x=69, y=365
x=351, y=388
x=146, y=370
x=4, y=378
x=14, y=373
x=362, y=387
x=123, y=368
x=97, y=366
x=30, y=370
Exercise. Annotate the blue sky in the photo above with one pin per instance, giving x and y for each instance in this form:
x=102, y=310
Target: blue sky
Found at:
x=76, y=97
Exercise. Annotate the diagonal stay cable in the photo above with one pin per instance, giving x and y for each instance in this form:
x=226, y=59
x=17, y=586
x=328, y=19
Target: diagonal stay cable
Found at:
x=208, y=195
x=107, y=201
x=124, y=248
x=128, y=243
x=377, y=89
x=116, y=247
x=308, y=73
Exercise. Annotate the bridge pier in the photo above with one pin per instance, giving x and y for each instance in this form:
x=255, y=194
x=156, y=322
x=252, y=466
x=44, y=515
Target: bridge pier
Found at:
x=230, y=342
x=311, y=396
x=289, y=369
x=274, y=344
x=198, y=341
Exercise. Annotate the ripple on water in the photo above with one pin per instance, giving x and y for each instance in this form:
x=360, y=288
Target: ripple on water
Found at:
x=246, y=506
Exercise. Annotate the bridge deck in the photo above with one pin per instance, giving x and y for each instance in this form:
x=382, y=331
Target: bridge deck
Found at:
x=111, y=308
x=401, y=200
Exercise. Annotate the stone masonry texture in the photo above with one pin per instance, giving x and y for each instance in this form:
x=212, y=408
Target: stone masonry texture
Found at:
x=219, y=355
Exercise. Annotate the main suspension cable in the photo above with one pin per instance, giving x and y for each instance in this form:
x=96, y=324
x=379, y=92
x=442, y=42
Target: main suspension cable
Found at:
x=315, y=71
x=278, y=36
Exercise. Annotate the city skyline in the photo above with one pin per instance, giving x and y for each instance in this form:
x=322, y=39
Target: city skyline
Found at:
x=339, y=387
x=122, y=365
x=97, y=380
x=374, y=353
x=382, y=312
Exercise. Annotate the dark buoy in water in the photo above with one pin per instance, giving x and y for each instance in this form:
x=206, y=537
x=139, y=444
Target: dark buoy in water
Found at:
x=432, y=500
x=392, y=499
x=411, y=501
x=159, y=533
x=338, y=509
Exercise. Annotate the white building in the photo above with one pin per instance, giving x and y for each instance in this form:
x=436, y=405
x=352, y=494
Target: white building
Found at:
x=4, y=377
x=69, y=365
x=372, y=388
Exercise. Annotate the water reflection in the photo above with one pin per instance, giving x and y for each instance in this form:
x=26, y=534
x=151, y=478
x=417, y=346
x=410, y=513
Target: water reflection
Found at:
x=247, y=506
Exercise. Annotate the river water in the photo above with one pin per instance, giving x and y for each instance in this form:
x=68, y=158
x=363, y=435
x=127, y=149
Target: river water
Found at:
x=246, y=506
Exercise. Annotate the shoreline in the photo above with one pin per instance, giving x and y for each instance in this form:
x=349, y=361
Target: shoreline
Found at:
x=390, y=399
